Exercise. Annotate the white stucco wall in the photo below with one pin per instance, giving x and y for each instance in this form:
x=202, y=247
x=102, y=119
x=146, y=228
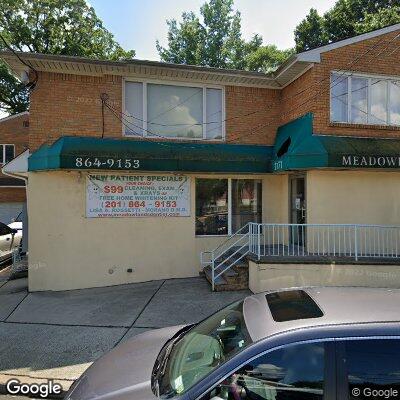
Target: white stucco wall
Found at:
x=70, y=251
x=359, y=197
x=268, y=276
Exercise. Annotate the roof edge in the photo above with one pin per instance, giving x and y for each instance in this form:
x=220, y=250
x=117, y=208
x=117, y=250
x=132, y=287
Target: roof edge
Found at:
x=14, y=116
x=314, y=55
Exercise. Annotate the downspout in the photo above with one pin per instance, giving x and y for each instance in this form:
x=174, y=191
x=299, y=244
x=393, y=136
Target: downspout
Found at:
x=24, y=178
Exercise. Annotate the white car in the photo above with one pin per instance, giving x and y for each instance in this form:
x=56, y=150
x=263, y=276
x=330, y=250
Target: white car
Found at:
x=16, y=223
x=10, y=239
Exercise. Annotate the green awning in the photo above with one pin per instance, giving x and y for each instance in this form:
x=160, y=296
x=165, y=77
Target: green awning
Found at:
x=73, y=152
x=297, y=148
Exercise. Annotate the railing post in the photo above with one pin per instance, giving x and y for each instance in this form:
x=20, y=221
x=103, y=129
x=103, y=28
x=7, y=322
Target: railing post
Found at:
x=249, y=233
x=355, y=243
x=212, y=271
x=259, y=241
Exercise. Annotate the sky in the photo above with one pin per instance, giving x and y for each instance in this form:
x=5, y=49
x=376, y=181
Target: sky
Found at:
x=137, y=24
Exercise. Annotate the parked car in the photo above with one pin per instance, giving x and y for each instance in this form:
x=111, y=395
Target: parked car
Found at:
x=10, y=239
x=297, y=344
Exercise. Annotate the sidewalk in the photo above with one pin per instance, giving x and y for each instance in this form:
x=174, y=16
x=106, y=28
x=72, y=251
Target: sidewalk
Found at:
x=57, y=335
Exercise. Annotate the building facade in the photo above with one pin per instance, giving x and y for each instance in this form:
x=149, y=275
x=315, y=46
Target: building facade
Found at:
x=136, y=168
x=14, y=137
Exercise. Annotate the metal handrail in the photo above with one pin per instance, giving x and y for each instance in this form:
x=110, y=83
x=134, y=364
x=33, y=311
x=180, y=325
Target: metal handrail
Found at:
x=242, y=255
x=339, y=240
x=231, y=236
x=358, y=225
x=224, y=248
x=353, y=241
x=234, y=253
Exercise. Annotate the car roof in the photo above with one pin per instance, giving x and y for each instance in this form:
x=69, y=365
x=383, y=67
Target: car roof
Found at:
x=339, y=305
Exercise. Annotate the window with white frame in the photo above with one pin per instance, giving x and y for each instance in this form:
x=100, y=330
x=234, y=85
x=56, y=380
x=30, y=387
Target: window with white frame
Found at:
x=7, y=153
x=173, y=111
x=360, y=99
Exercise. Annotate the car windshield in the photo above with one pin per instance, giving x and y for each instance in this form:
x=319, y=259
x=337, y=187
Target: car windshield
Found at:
x=202, y=349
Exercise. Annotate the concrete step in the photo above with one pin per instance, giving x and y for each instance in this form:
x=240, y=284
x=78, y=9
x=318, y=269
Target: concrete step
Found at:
x=218, y=281
x=236, y=278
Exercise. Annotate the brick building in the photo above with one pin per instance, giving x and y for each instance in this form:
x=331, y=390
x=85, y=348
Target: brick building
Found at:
x=14, y=138
x=138, y=167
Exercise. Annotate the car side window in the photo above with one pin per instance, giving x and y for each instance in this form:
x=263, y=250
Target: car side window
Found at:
x=4, y=230
x=294, y=372
x=371, y=369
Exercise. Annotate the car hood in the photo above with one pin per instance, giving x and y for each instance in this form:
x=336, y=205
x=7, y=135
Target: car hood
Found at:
x=124, y=372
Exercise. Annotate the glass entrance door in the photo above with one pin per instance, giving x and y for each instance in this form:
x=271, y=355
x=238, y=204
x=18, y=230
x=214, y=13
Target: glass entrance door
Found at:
x=298, y=210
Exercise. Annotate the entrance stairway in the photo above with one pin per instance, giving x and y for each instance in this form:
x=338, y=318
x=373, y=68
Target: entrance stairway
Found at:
x=236, y=278
x=226, y=267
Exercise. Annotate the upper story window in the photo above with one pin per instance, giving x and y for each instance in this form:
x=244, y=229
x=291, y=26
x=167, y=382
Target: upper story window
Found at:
x=7, y=153
x=360, y=99
x=173, y=111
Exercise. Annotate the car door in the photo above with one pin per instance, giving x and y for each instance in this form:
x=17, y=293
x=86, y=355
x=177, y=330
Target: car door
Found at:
x=299, y=371
x=6, y=241
x=368, y=368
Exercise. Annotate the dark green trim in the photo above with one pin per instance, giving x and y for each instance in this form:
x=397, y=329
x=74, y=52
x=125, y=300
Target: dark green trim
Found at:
x=151, y=156
x=310, y=151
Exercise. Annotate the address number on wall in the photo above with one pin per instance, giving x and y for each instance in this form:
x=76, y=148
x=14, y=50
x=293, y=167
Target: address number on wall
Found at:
x=119, y=163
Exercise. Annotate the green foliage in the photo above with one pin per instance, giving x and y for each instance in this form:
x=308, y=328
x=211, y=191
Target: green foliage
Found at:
x=215, y=39
x=13, y=95
x=310, y=33
x=384, y=17
x=267, y=58
x=347, y=18
x=67, y=27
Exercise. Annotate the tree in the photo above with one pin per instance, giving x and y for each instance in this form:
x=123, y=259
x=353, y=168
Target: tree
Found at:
x=267, y=58
x=66, y=27
x=14, y=96
x=384, y=17
x=347, y=18
x=215, y=39
x=310, y=33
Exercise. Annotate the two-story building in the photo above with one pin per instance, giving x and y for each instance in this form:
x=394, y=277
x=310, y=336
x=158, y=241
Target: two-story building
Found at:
x=13, y=141
x=138, y=167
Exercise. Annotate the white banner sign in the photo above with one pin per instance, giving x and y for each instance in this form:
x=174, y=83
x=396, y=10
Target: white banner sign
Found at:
x=137, y=196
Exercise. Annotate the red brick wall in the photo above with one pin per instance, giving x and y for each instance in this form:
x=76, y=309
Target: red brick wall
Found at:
x=257, y=128
x=12, y=195
x=14, y=131
x=299, y=97
x=377, y=61
x=311, y=91
x=70, y=105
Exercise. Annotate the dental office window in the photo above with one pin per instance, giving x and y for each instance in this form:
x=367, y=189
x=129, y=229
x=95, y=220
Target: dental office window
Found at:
x=172, y=111
x=365, y=100
x=6, y=153
x=246, y=202
x=223, y=206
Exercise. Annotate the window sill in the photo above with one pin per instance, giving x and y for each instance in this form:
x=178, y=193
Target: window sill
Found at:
x=364, y=126
x=212, y=236
x=164, y=139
